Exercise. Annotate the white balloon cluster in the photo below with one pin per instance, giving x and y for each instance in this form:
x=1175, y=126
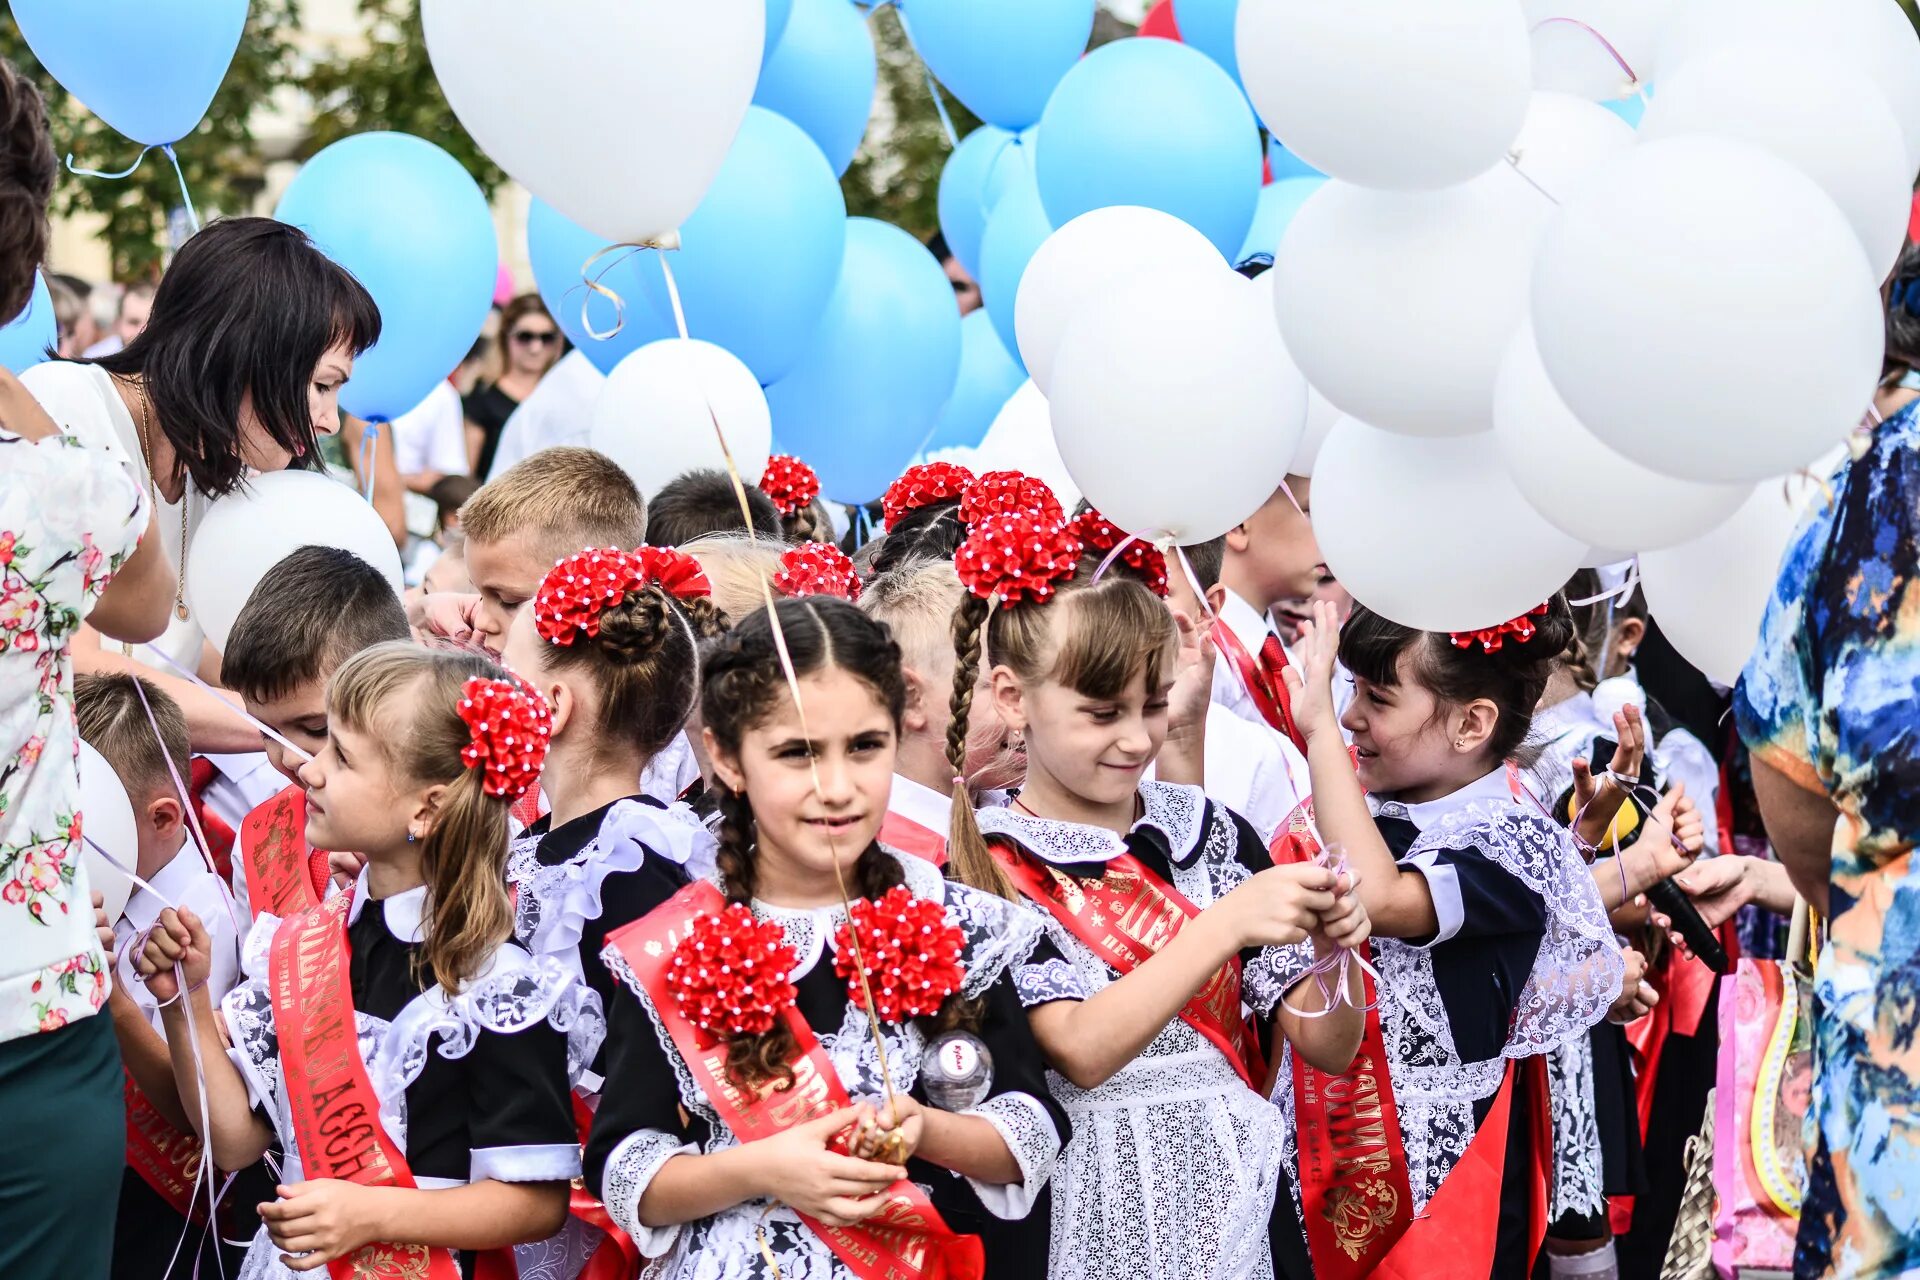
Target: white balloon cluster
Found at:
x=1548, y=335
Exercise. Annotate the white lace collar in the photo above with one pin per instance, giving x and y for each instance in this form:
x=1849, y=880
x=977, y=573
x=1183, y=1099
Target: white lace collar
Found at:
x=403, y=910
x=1175, y=811
x=1491, y=790
x=808, y=928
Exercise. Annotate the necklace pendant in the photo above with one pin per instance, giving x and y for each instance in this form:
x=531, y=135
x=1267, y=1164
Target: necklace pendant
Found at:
x=180, y=611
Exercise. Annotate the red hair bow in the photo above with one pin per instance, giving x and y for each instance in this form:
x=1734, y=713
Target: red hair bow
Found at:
x=922, y=486
x=1494, y=639
x=817, y=569
x=580, y=588
x=791, y=483
x=1102, y=535
x=910, y=953
x=511, y=729
x=1017, y=556
x=1001, y=492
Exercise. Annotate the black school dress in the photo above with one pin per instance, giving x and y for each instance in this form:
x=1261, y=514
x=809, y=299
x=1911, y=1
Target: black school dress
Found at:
x=652, y=1110
x=471, y=1086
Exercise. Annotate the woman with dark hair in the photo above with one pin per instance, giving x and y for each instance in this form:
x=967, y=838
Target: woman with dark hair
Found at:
x=253, y=332
x=530, y=344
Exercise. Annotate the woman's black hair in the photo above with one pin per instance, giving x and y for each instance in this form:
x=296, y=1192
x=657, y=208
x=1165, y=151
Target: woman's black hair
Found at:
x=1903, y=316
x=27, y=167
x=250, y=305
x=1512, y=677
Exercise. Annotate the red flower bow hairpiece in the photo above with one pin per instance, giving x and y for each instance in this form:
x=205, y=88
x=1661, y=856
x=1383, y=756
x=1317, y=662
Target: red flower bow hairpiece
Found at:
x=1494, y=639
x=999, y=492
x=511, y=729
x=1017, y=556
x=922, y=486
x=730, y=974
x=791, y=483
x=1102, y=535
x=817, y=569
x=910, y=952
x=580, y=588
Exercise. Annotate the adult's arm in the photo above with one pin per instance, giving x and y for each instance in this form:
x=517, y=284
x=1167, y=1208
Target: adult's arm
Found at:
x=1800, y=823
x=389, y=493
x=212, y=727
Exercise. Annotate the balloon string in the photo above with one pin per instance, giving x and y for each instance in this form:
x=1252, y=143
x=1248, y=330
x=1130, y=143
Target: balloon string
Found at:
x=186, y=197
x=594, y=286
x=221, y=697
x=1616, y=595
x=368, y=440
x=127, y=172
x=1633, y=81
x=1338, y=962
x=186, y=803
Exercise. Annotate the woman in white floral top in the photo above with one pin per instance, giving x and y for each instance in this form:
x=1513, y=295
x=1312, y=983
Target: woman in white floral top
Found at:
x=70, y=521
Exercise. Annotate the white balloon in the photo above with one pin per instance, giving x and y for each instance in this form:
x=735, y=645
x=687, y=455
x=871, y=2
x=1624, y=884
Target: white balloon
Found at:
x=618, y=113
x=1091, y=251
x=1707, y=311
x=1021, y=439
x=248, y=532
x=1398, y=305
x=1431, y=532
x=1874, y=38
x=1173, y=402
x=1582, y=487
x=1568, y=50
x=1834, y=126
x=1710, y=594
x=656, y=413
x=1565, y=140
x=106, y=819
x=1321, y=414
x=1386, y=93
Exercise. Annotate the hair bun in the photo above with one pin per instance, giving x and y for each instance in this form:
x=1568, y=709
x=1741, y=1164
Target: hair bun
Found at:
x=638, y=626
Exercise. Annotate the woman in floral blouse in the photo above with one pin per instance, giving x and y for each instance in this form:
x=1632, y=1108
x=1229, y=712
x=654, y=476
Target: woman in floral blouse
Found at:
x=70, y=522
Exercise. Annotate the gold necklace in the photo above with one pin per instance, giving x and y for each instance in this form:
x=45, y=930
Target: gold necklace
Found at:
x=153, y=498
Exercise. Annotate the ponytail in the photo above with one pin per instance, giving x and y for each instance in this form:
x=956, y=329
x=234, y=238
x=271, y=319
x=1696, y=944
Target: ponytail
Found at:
x=468, y=913
x=968, y=857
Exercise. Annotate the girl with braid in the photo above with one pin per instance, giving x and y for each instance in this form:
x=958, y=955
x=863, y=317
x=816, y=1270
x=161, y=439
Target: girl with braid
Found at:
x=786, y=1072
x=1165, y=908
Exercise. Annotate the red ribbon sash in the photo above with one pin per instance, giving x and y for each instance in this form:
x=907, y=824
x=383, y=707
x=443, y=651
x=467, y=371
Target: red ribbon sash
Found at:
x=908, y=836
x=165, y=1158
x=1269, y=694
x=335, y=1112
x=616, y=1257
x=1127, y=916
x=907, y=1239
x=284, y=878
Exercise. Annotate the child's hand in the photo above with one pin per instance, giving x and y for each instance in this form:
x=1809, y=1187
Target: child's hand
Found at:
x=1192, y=692
x=177, y=939
x=1596, y=804
x=1311, y=690
x=1278, y=907
x=1674, y=833
x=447, y=615
x=312, y=1223
x=798, y=1169
x=1347, y=924
x=345, y=867
x=870, y=1131
x=1636, y=997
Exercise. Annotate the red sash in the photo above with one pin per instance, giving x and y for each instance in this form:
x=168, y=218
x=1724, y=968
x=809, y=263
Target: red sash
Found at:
x=1126, y=916
x=165, y=1158
x=908, y=836
x=284, y=878
x=335, y=1112
x=1267, y=689
x=616, y=1257
x=907, y=1239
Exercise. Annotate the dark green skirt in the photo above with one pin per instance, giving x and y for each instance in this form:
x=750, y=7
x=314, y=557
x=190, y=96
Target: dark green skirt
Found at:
x=66, y=1144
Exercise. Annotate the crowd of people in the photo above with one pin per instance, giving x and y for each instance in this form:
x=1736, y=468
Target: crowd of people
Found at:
x=717, y=883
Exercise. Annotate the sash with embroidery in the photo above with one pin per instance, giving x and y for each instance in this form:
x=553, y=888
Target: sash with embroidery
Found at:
x=165, y=1158
x=1127, y=916
x=1273, y=703
x=331, y=1100
x=284, y=878
x=907, y=1239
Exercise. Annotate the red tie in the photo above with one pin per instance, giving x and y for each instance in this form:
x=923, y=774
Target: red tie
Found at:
x=1273, y=666
x=219, y=835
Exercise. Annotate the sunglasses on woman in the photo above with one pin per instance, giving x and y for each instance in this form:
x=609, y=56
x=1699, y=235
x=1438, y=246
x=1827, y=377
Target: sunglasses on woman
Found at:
x=534, y=337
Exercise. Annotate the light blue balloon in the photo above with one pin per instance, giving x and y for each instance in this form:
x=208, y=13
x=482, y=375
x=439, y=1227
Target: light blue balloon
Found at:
x=1154, y=123
x=27, y=338
x=822, y=76
x=975, y=176
x=408, y=221
x=883, y=362
x=1015, y=232
x=1207, y=25
x=757, y=262
x=778, y=12
x=149, y=68
x=1632, y=109
x=1286, y=165
x=1279, y=202
x=988, y=378
x=1002, y=58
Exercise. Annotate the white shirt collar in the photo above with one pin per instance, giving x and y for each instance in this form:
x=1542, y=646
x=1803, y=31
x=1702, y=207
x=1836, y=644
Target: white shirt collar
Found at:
x=170, y=884
x=403, y=910
x=920, y=804
x=1176, y=811
x=1493, y=787
x=1245, y=622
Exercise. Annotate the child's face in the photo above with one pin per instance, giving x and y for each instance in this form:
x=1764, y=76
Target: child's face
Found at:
x=447, y=575
x=1399, y=733
x=800, y=830
x=356, y=799
x=1278, y=558
x=1097, y=749
x=505, y=574
x=992, y=761
x=300, y=717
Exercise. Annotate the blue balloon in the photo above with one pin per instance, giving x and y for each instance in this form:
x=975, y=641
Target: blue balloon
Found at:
x=757, y=262
x=1286, y=165
x=1153, y=123
x=1001, y=58
x=27, y=338
x=149, y=68
x=988, y=378
x=975, y=177
x=778, y=12
x=1015, y=232
x=408, y=221
x=882, y=364
x=1632, y=109
x=822, y=76
x=1207, y=25
x=1279, y=202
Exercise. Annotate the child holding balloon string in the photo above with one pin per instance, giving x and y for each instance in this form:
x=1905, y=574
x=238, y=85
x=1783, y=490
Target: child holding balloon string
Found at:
x=1166, y=907
x=750, y=1096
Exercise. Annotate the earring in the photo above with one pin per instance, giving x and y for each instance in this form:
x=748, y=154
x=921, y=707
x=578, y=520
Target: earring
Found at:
x=411, y=838
x=1017, y=741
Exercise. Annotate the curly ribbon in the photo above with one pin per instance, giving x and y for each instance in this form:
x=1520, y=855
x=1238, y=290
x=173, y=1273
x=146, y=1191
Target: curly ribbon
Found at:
x=1339, y=962
x=1633, y=80
x=186, y=196
x=595, y=287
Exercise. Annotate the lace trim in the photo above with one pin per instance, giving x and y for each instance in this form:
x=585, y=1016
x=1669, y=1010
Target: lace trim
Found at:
x=1175, y=810
x=1044, y=983
x=1578, y=1185
x=630, y=1170
x=1034, y=1143
x=1272, y=973
x=555, y=903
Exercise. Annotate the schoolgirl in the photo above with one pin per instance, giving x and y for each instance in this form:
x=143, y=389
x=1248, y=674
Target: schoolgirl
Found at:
x=1165, y=908
x=787, y=1071
x=412, y=1063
